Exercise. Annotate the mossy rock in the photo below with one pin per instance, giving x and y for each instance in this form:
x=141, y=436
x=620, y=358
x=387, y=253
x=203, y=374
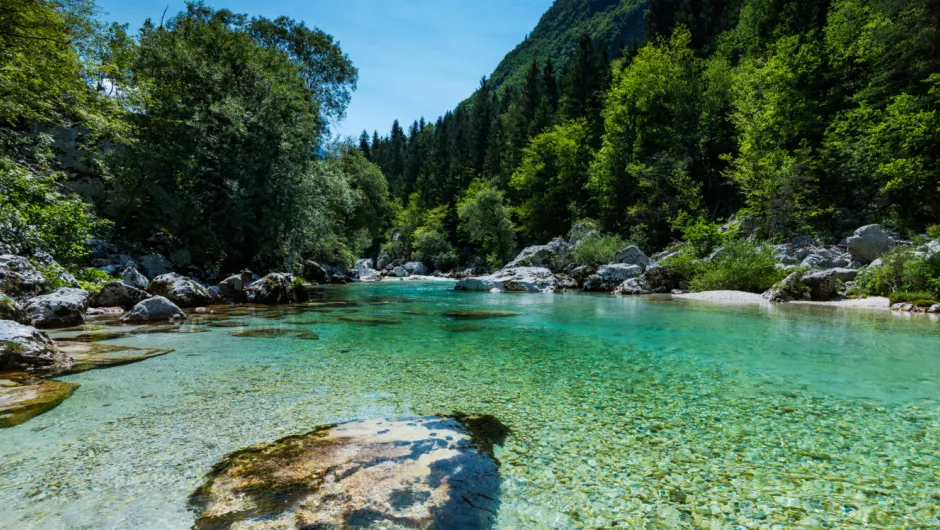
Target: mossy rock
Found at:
x=226, y=324
x=100, y=336
x=478, y=314
x=430, y=472
x=308, y=335
x=466, y=328
x=91, y=356
x=23, y=397
x=263, y=333
x=369, y=321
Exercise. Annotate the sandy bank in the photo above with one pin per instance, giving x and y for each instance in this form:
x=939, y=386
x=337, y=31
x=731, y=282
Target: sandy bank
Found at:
x=740, y=297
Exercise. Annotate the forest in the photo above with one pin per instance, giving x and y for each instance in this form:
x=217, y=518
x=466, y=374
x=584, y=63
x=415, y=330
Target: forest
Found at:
x=205, y=136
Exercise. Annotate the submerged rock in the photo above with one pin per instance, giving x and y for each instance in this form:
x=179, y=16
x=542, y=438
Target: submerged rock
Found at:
x=27, y=348
x=23, y=397
x=432, y=472
x=63, y=308
x=181, y=290
x=156, y=308
x=474, y=314
x=90, y=356
x=517, y=279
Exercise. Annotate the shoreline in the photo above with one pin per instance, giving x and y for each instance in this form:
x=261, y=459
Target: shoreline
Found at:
x=872, y=303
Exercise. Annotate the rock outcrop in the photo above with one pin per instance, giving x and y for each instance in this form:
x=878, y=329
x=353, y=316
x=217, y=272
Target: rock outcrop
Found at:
x=365, y=270
x=430, y=472
x=117, y=294
x=609, y=277
x=272, y=289
x=869, y=243
x=517, y=279
x=182, y=291
x=555, y=256
x=155, y=265
x=416, y=268
x=154, y=309
x=821, y=285
x=232, y=288
x=27, y=348
x=787, y=290
x=19, y=279
x=134, y=278
x=62, y=308
x=632, y=255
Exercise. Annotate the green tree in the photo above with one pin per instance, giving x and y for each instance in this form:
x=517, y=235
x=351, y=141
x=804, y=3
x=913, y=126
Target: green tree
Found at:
x=227, y=121
x=641, y=176
x=551, y=180
x=485, y=220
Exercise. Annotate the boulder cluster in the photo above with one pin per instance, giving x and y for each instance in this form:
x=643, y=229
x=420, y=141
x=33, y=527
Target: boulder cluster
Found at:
x=819, y=272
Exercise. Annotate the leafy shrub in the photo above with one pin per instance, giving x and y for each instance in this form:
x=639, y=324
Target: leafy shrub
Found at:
x=429, y=244
x=703, y=236
x=92, y=280
x=598, y=250
x=903, y=271
x=742, y=265
x=34, y=215
x=914, y=298
x=933, y=231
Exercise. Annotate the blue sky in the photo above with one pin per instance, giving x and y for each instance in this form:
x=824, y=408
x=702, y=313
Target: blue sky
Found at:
x=415, y=57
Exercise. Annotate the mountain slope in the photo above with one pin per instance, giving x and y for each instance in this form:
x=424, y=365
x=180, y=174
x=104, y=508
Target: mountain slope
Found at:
x=558, y=31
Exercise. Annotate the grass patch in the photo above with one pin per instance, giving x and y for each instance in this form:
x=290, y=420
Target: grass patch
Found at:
x=914, y=298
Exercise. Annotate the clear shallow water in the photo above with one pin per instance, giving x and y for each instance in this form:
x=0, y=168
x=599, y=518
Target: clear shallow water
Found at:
x=624, y=411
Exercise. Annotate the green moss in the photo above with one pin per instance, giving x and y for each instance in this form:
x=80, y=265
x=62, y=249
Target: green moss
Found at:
x=478, y=314
x=264, y=333
x=30, y=397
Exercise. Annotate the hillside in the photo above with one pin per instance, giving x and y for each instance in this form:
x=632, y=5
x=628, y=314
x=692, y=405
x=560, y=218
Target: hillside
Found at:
x=558, y=31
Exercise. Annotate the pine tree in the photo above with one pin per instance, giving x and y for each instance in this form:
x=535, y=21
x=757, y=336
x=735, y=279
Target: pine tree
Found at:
x=481, y=122
x=364, y=145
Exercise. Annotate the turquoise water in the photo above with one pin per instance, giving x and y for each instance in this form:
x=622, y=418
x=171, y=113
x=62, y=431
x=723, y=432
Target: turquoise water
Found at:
x=625, y=412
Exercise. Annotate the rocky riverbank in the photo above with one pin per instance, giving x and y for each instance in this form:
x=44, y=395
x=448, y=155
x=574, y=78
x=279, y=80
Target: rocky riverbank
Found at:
x=818, y=273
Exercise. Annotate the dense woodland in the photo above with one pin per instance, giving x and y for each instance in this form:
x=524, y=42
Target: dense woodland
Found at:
x=812, y=117
x=206, y=133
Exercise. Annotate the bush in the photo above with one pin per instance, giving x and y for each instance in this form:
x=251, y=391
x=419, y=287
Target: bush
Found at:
x=703, y=236
x=430, y=244
x=598, y=250
x=742, y=265
x=914, y=298
x=35, y=215
x=933, y=231
x=92, y=280
x=903, y=271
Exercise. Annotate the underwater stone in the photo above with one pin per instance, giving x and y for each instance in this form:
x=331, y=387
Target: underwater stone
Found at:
x=432, y=472
x=23, y=397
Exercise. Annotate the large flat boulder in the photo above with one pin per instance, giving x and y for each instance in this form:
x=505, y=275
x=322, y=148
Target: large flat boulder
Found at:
x=118, y=294
x=415, y=268
x=154, y=309
x=23, y=397
x=556, y=256
x=610, y=276
x=430, y=472
x=517, y=279
x=64, y=307
x=27, y=348
x=869, y=243
x=182, y=291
